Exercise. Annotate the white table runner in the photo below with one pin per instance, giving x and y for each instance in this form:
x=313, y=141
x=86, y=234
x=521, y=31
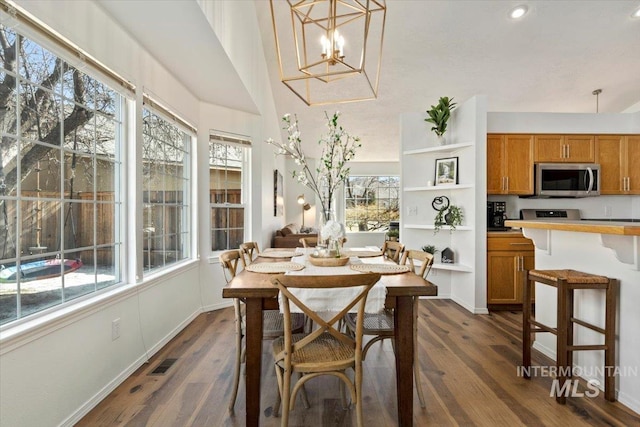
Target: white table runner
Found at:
x=322, y=300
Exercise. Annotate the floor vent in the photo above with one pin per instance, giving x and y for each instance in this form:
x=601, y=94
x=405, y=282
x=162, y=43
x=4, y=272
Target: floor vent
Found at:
x=163, y=367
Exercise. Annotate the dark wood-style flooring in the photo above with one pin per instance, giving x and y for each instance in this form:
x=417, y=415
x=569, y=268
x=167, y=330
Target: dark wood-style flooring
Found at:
x=468, y=376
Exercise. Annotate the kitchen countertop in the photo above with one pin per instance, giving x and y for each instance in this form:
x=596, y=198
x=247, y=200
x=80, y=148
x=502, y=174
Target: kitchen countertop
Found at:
x=603, y=227
x=515, y=232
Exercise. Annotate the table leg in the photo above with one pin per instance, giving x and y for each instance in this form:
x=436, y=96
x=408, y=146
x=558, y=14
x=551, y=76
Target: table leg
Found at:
x=253, y=364
x=403, y=325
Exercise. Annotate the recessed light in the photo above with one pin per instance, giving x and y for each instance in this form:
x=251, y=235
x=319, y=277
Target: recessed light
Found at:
x=518, y=11
x=636, y=14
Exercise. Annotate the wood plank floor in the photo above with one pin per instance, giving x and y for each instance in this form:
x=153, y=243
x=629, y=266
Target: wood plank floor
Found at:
x=468, y=377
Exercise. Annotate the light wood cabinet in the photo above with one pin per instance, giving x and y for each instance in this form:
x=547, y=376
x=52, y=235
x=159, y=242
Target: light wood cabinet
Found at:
x=619, y=157
x=509, y=257
x=509, y=164
x=564, y=149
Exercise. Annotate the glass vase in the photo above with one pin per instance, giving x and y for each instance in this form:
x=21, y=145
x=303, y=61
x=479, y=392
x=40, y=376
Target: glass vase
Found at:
x=324, y=244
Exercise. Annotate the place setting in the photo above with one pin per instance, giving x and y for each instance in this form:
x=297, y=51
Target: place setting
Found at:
x=277, y=253
x=274, y=267
x=383, y=269
x=362, y=253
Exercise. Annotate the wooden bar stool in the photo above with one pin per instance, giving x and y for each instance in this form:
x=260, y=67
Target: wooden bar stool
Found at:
x=566, y=282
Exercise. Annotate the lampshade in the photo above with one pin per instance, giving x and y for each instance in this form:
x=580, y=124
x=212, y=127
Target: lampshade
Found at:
x=329, y=51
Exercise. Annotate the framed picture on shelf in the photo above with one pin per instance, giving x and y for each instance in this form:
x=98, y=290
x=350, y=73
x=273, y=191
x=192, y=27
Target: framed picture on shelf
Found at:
x=447, y=171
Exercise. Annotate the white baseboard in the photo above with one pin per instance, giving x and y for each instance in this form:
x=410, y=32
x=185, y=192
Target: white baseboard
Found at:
x=629, y=401
x=544, y=350
x=447, y=296
x=473, y=310
x=228, y=302
x=83, y=410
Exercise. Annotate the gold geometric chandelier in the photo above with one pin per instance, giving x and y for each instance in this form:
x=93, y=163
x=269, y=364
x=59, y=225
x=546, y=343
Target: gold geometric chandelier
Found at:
x=329, y=51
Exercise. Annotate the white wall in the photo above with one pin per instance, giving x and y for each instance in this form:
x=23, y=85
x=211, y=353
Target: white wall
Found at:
x=55, y=370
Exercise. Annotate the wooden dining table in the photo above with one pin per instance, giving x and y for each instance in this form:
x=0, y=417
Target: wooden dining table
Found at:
x=256, y=290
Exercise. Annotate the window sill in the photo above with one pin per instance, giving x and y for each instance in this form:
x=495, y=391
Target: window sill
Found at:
x=15, y=336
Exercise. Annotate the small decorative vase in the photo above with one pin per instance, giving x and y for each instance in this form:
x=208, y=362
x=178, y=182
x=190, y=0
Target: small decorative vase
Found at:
x=448, y=218
x=335, y=247
x=442, y=140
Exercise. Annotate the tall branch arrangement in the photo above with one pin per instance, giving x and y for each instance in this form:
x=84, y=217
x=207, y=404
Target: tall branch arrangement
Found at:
x=338, y=148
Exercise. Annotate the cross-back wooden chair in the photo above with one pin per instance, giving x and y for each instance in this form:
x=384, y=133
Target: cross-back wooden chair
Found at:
x=425, y=258
x=326, y=350
x=250, y=251
x=380, y=326
x=392, y=250
x=273, y=322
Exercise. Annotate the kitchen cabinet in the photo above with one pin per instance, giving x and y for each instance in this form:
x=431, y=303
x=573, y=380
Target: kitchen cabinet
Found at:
x=509, y=164
x=564, y=148
x=509, y=257
x=619, y=157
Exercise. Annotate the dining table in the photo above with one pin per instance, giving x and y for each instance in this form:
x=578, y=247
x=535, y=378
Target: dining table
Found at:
x=258, y=294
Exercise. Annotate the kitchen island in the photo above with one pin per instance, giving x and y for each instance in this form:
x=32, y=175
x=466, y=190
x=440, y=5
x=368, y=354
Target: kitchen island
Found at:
x=606, y=248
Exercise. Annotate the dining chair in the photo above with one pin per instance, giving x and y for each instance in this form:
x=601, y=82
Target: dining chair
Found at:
x=380, y=325
x=272, y=320
x=392, y=250
x=249, y=249
x=326, y=350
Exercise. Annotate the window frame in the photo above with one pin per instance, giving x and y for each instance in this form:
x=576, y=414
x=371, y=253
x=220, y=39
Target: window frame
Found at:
x=119, y=123
x=188, y=219
x=244, y=143
x=345, y=199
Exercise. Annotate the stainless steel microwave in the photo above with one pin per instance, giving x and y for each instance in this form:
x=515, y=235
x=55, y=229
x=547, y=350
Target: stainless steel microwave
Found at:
x=567, y=179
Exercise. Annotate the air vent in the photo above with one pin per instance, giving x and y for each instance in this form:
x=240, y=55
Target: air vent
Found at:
x=163, y=367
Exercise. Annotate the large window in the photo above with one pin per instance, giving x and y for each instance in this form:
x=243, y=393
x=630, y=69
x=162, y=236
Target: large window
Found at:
x=371, y=202
x=166, y=189
x=60, y=189
x=227, y=178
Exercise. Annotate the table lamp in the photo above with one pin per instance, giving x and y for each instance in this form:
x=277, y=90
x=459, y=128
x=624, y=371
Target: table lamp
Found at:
x=305, y=206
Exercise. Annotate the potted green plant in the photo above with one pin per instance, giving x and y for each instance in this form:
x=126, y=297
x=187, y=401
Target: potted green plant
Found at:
x=439, y=116
x=393, y=235
x=431, y=249
x=451, y=216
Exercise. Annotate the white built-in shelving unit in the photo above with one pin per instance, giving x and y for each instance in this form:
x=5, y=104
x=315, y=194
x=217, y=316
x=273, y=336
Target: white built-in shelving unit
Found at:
x=419, y=152
x=439, y=187
x=451, y=148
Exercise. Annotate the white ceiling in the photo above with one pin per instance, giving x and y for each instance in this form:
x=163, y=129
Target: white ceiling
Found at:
x=549, y=61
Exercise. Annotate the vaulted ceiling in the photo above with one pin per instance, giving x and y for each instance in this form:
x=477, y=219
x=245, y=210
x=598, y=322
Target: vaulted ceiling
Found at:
x=549, y=61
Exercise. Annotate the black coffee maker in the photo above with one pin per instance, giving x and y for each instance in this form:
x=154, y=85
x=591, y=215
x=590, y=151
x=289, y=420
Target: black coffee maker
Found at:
x=496, y=214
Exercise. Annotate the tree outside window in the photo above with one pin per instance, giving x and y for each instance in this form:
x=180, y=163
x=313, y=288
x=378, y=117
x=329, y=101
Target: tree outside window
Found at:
x=166, y=192
x=371, y=202
x=60, y=195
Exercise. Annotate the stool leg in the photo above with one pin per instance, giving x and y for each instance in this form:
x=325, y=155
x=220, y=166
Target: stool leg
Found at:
x=561, y=341
x=570, y=306
x=610, y=341
x=526, y=328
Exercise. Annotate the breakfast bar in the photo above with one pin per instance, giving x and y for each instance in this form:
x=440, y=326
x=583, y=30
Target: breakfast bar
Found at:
x=604, y=248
